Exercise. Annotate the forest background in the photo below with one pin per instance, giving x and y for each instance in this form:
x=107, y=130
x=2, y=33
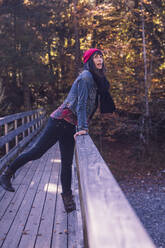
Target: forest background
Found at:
x=41, y=48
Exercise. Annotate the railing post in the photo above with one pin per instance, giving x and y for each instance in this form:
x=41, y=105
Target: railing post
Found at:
x=41, y=122
x=28, y=120
x=36, y=117
x=32, y=118
x=6, y=132
x=23, y=122
x=15, y=127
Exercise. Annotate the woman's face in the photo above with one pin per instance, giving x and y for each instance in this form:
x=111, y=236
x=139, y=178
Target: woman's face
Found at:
x=98, y=61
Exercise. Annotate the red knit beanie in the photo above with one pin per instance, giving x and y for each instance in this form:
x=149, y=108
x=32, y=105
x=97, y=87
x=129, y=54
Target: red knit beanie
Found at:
x=89, y=53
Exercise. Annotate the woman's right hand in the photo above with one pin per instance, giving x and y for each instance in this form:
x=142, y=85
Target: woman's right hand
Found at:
x=82, y=132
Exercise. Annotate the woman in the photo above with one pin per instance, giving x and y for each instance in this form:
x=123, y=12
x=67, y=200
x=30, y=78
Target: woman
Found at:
x=75, y=112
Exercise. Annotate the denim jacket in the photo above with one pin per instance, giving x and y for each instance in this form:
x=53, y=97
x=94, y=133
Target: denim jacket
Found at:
x=81, y=99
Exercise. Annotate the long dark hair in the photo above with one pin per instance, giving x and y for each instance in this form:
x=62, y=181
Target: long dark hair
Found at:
x=98, y=74
x=90, y=66
x=106, y=102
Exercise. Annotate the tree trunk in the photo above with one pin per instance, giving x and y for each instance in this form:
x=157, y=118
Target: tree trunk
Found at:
x=14, y=74
x=77, y=40
x=146, y=117
x=50, y=63
x=26, y=93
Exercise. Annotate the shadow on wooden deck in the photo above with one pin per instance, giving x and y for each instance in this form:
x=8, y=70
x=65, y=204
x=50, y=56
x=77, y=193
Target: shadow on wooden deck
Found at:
x=34, y=215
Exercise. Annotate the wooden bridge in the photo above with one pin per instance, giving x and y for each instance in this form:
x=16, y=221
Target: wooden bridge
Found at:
x=34, y=217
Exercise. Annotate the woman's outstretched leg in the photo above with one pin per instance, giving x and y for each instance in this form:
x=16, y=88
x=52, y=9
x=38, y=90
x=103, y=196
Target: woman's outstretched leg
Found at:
x=47, y=139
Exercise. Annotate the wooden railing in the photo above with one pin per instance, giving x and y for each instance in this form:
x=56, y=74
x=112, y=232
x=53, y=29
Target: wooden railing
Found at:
x=108, y=219
x=17, y=130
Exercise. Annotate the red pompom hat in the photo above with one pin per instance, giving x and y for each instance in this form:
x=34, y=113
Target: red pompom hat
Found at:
x=89, y=53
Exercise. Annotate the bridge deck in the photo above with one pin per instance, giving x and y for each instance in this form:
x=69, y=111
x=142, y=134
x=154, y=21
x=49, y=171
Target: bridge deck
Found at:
x=34, y=215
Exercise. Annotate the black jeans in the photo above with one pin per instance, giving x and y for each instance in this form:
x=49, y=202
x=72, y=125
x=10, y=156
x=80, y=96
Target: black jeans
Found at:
x=55, y=130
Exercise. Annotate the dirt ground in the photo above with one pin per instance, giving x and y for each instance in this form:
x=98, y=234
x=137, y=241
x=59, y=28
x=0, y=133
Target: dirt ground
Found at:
x=142, y=179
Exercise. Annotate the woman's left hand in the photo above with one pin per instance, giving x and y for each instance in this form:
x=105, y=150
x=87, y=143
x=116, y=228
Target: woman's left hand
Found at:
x=80, y=133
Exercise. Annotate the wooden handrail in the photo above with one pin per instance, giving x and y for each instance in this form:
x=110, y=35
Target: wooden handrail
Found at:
x=12, y=134
x=109, y=220
x=10, y=118
x=34, y=121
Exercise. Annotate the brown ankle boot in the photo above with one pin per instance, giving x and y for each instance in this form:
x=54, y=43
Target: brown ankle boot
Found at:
x=69, y=203
x=5, y=180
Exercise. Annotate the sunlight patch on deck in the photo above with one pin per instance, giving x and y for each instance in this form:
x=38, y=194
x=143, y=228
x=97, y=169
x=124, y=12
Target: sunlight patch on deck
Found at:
x=56, y=160
x=51, y=188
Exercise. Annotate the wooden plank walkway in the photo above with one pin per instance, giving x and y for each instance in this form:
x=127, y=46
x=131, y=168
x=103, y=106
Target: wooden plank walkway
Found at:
x=34, y=216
